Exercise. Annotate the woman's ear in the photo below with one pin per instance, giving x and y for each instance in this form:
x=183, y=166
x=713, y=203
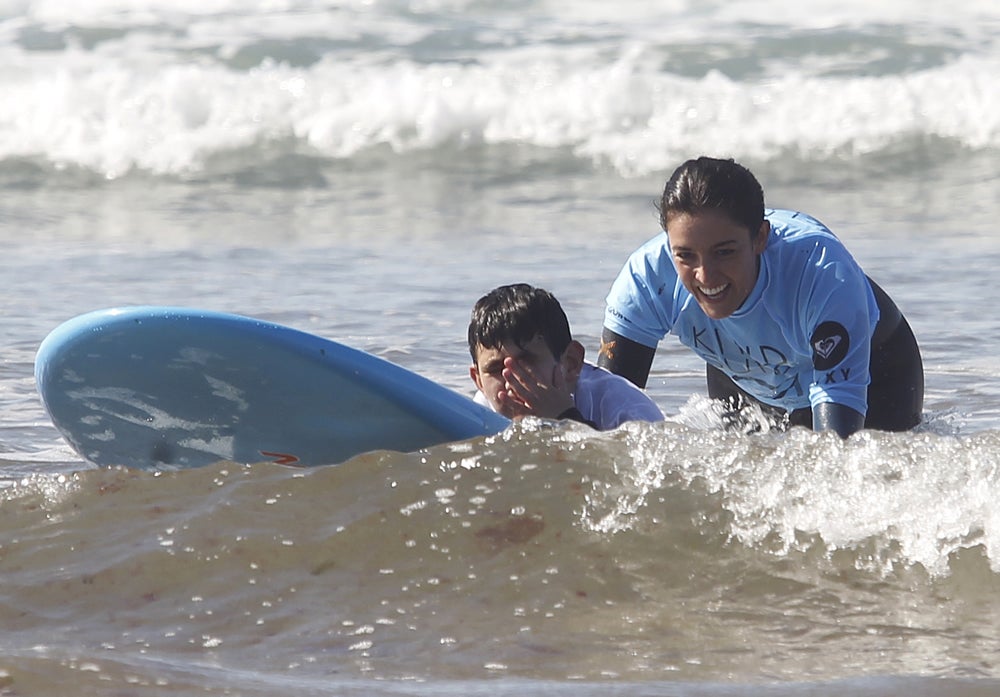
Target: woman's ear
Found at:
x=760, y=241
x=572, y=360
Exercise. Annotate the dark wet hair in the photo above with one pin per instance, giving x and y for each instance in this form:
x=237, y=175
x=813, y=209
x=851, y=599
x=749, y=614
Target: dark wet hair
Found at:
x=518, y=313
x=708, y=183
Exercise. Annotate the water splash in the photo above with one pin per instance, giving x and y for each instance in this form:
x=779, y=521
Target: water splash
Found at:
x=894, y=500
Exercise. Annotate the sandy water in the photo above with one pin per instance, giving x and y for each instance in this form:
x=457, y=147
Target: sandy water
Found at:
x=317, y=173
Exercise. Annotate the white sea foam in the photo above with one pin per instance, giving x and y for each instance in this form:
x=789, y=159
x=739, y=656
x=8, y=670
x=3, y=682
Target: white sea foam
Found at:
x=168, y=119
x=163, y=89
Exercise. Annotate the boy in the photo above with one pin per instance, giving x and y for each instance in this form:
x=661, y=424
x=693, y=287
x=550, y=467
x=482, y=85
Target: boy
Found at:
x=525, y=361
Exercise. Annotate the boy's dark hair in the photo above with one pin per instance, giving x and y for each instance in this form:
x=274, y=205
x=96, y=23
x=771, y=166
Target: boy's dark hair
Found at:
x=518, y=313
x=713, y=184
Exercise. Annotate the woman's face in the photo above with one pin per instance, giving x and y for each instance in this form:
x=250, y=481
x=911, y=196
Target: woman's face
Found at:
x=716, y=259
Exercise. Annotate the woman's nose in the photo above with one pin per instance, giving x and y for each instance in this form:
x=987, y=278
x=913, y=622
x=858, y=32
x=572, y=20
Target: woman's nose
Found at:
x=704, y=274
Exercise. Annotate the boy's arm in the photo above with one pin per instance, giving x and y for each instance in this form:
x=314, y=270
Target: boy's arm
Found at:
x=625, y=357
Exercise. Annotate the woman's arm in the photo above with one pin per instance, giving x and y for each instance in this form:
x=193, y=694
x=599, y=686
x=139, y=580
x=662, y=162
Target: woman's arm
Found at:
x=830, y=416
x=625, y=357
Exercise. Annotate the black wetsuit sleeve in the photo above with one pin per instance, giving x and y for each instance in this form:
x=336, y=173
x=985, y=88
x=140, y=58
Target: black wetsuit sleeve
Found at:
x=836, y=417
x=574, y=414
x=625, y=357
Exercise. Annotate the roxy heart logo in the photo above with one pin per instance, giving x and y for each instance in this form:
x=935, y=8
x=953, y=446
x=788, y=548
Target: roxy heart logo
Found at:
x=830, y=343
x=826, y=346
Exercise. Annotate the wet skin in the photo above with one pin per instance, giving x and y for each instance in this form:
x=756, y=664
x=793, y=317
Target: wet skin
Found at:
x=716, y=259
x=523, y=380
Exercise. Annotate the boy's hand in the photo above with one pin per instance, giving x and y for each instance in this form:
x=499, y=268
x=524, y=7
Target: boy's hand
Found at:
x=545, y=396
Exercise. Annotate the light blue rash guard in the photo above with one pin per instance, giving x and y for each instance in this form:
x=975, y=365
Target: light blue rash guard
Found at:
x=801, y=338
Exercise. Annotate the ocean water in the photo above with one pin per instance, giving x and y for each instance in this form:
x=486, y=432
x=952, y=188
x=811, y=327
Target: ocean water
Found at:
x=365, y=170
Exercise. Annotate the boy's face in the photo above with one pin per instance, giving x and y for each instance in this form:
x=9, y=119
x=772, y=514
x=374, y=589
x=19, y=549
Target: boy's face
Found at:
x=487, y=371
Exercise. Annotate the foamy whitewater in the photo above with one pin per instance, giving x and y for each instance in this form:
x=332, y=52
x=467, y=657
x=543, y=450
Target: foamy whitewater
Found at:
x=365, y=171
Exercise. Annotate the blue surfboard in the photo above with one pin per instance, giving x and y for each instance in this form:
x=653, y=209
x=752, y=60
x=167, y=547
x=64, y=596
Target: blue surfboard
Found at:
x=169, y=387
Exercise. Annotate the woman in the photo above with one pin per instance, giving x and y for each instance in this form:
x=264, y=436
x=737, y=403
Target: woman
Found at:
x=771, y=300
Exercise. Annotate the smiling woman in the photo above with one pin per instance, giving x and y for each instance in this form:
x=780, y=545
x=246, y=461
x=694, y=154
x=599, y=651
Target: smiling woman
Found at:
x=772, y=301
